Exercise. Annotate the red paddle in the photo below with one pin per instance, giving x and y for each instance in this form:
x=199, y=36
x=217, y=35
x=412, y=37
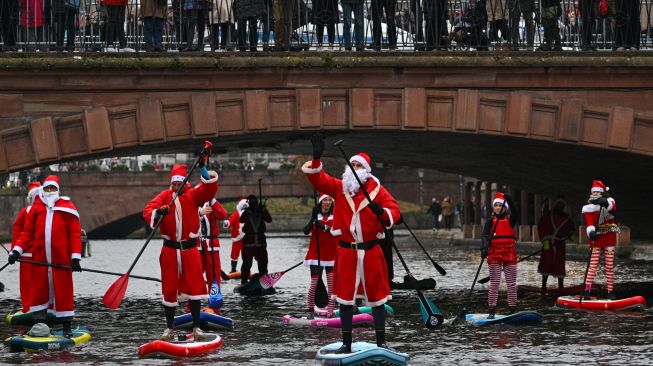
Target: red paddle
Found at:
x=114, y=295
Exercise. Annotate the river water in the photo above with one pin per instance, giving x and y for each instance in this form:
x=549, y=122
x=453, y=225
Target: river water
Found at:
x=565, y=336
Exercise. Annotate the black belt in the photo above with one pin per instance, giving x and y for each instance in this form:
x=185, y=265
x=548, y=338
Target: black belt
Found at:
x=183, y=245
x=359, y=246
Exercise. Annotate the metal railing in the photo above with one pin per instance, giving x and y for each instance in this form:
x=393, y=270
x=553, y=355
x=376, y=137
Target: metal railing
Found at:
x=249, y=25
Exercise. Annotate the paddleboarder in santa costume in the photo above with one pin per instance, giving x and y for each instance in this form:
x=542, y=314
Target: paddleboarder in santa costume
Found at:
x=320, y=224
x=498, y=245
x=237, y=233
x=25, y=268
x=180, y=259
x=554, y=228
x=52, y=233
x=211, y=214
x=602, y=229
x=359, y=258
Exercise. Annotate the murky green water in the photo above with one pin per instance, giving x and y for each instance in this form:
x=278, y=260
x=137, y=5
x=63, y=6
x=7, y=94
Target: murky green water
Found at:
x=565, y=337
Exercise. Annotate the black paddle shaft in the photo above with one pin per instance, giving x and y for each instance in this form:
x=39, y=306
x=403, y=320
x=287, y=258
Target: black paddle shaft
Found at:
x=484, y=280
x=174, y=197
x=320, y=289
x=61, y=266
x=430, y=322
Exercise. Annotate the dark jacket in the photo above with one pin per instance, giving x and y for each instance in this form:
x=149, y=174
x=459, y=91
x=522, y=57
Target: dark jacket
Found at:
x=249, y=9
x=435, y=209
x=253, y=221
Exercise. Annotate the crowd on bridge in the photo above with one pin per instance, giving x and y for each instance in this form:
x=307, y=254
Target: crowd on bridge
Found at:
x=283, y=25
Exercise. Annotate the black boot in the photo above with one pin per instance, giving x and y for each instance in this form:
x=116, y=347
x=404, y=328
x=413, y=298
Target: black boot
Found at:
x=512, y=309
x=380, y=339
x=491, y=312
x=561, y=282
x=346, y=343
x=67, y=329
x=611, y=296
x=234, y=264
x=586, y=295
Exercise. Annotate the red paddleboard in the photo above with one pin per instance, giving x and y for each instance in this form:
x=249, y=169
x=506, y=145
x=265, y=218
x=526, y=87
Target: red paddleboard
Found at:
x=178, y=349
x=629, y=304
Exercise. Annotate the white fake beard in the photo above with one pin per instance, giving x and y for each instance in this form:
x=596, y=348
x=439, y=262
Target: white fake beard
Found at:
x=51, y=198
x=349, y=183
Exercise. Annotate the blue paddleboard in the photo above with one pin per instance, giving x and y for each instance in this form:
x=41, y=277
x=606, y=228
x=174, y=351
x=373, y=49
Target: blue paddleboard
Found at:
x=363, y=353
x=54, y=342
x=208, y=321
x=520, y=318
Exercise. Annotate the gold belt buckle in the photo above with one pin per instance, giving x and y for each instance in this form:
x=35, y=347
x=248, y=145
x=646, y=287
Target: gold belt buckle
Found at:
x=354, y=246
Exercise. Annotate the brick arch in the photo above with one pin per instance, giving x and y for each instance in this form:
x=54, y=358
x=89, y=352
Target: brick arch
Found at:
x=247, y=118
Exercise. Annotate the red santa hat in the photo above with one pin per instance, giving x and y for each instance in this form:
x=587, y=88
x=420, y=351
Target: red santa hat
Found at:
x=32, y=190
x=499, y=198
x=322, y=197
x=33, y=185
x=178, y=173
x=598, y=186
x=241, y=205
x=363, y=159
x=51, y=180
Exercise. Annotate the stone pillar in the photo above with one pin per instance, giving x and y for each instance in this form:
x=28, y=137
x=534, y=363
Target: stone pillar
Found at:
x=488, y=199
x=467, y=224
x=537, y=214
x=524, y=227
x=477, y=211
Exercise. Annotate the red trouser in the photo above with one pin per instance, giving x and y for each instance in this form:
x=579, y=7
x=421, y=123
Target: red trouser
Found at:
x=181, y=275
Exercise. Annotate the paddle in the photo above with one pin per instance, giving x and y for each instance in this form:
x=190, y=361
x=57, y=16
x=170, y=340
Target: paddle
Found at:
x=435, y=264
x=215, y=295
x=224, y=276
x=430, y=318
x=462, y=313
x=53, y=265
x=484, y=280
x=587, y=269
x=5, y=266
x=116, y=292
x=321, y=294
x=270, y=279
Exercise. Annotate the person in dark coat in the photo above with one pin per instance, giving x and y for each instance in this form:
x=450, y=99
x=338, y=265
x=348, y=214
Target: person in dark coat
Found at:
x=379, y=7
x=435, y=210
x=325, y=14
x=8, y=23
x=550, y=13
x=247, y=12
x=355, y=7
x=436, y=24
x=254, y=243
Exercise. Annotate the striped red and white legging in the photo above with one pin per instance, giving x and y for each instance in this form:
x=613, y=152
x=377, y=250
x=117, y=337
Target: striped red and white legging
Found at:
x=608, y=254
x=510, y=271
x=311, y=290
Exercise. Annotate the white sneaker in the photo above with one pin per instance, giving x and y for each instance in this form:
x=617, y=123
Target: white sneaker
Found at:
x=198, y=335
x=167, y=335
x=127, y=50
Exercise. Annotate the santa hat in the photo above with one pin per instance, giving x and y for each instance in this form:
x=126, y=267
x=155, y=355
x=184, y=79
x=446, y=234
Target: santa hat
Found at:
x=33, y=185
x=32, y=190
x=241, y=205
x=363, y=159
x=598, y=186
x=51, y=180
x=178, y=173
x=323, y=197
x=499, y=198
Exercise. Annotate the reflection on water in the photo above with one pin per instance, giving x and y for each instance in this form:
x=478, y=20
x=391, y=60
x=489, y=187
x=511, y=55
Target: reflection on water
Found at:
x=566, y=337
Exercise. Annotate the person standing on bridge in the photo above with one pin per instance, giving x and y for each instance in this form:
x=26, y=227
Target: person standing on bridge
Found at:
x=320, y=225
x=25, y=268
x=211, y=213
x=52, y=233
x=359, y=258
x=554, y=228
x=602, y=229
x=180, y=260
x=237, y=233
x=498, y=245
x=255, y=245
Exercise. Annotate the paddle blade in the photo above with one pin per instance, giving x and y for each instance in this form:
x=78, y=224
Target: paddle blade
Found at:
x=431, y=314
x=114, y=295
x=321, y=294
x=270, y=279
x=484, y=280
x=224, y=276
x=215, y=296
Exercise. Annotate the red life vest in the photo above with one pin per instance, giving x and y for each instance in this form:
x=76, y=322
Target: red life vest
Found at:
x=502, y=245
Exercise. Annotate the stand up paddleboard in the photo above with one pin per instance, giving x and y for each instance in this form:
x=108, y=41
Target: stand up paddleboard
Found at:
x=358, y=320
x=520, y=318
x=236, y=275
x=178, y=349
x=322, y=312
x=423, y=284
x=54, y=342
x=363, y=353
x=208, y=321
x=254, y=288
x=17, y=318
x=635, y=303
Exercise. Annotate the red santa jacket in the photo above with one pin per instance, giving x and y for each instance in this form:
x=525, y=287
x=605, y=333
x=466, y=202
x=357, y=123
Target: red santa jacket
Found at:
x=17, y=228
x=237, y=233
x=210, y=224
x=328, y=243
x=182, y=223
x=602, y=220
x=556, y=227
x=352, y=221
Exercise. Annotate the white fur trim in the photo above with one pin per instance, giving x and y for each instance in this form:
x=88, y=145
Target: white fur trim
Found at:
x=591, y=208
x=313, y=262
x=35, y=308
x=50, y=183
x=359, y=159
x=611, y=203
x=27, y=255
x=590, y=229
x=598, y=189
x=177, y=178
x=306, y=168
x=66, y=209
x=18, y=249
x=335, y=232
x=380, y=302
x=64, y=314
x=153, y=219
x=212, y=174
x=170, y=304
x=392, y=221
x=76, y=256
x=322, y=197
x=346, y=302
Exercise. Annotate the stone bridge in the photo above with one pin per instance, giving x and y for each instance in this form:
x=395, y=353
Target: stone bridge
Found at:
x=542, y=123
